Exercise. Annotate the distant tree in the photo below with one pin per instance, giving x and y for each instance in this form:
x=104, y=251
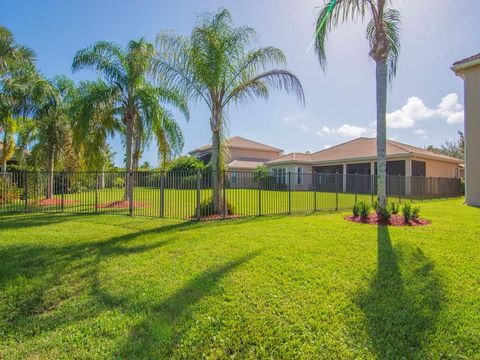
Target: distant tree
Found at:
x=383, y=34
x=454, y=148
x=216, y=65
x=145, y=166
x=261, y=172
x=187, y=164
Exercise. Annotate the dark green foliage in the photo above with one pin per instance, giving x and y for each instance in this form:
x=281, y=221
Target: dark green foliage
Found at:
x=188, y=164
x=415, y=212
x=363, y=209
x=410, y=212
x=384, y=213
x=355, y=210
x=206, y=208
x=394, y=208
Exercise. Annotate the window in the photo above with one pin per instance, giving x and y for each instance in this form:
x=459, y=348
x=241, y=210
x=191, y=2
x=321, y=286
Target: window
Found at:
x=280, y=175
x=418, y=168
x=299, y=175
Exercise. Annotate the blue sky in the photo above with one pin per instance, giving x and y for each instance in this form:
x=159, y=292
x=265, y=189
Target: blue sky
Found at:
x=425, y=101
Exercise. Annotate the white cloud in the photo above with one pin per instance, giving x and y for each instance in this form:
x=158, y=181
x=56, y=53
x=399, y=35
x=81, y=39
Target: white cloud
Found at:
x=303, y=127
x=351, y=130
x=419, y=132
x=415, y=109
x=293, y=118
x=344, y=130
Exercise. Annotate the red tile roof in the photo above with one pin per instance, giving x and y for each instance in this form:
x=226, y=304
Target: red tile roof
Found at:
x=361, y=148
x=238, y=142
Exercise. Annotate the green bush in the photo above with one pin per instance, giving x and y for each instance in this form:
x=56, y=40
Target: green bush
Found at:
x=363, y=209
x=394, y=208
x=186, y=164
x=415, y=212
x=206, y=208
x=119, y=182
x=384, y=213
x=407, y=211
x=355, y=210
x=9, y=192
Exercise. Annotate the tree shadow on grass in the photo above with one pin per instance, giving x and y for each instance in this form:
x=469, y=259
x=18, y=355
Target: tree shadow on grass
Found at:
x=403, y=300
x=159, y=333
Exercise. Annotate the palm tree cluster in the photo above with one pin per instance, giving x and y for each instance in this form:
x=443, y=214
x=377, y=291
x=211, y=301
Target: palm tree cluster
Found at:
x=67, y=125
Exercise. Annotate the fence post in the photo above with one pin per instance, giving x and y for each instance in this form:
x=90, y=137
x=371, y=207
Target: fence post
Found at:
x=225, y=207
x=25, y=190
x=400, y=189
x=372, y=184
x=336, y=191
x=260, y=197
x=96, y=192
x=198, y=195
x=62, y=187
x=289, y=194
x=314, y=181
x=130, y=192
x=162, y=194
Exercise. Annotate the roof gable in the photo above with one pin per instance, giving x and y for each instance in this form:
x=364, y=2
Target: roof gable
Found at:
x=238, y=142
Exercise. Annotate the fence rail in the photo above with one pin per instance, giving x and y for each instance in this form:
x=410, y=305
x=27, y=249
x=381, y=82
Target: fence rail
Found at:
x=189, y=195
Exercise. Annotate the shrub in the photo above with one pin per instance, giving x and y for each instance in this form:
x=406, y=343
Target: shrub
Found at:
x=363, y=209
x=407, y=211
x=206, y=208
x=355, y=210
x=119, y=182
x=384, y=213
x=415, y=212
x=186, y=164
x=394, y=208
x=9, y=192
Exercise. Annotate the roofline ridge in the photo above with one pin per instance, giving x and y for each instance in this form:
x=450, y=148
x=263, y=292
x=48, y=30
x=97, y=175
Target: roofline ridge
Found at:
x=341, y=144
x=256, y=142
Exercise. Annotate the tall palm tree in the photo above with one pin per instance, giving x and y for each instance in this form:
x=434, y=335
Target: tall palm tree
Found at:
x=11, y=52
x=140, y=101
x=383, y=35
x=217, y=65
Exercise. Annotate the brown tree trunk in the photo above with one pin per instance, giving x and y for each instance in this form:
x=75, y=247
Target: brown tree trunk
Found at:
x=217, y=170
x=129, y=143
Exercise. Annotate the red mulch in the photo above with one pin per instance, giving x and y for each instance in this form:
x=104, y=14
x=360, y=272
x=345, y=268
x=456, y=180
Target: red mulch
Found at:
x=395, y=220
x=216, y=217
x=55, y=201
x=122, y=204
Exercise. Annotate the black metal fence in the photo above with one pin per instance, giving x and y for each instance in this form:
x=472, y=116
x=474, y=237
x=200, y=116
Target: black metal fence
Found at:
x=189, y=195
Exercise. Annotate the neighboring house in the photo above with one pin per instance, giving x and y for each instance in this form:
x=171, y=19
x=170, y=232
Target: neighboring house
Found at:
x=358, y=157
x=243, y=154
x=469, y=70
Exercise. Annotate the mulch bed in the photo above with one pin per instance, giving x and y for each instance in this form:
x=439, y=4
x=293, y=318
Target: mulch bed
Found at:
x=395, y=220
x=122, y=204
x=55, y=201
x=216, y=217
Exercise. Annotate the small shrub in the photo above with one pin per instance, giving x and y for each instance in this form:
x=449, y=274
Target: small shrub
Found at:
x=375, y=205
x=363, y=209
x=119, y=182
x=407, y=211
x=9, y=192
x=394, y=208
x=415, y=212
x=384, y=213
x=355, y=210
x=206, y=208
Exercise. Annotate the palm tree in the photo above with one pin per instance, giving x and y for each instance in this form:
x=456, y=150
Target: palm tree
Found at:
x=383, y=34
x=94, y=120
x=11, y=52
x=216, y=65
x=140, y=102
x=54, y=125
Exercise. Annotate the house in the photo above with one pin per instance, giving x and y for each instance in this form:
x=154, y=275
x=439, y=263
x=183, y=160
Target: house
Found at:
x=243, y=154
x=469, y=70
x=358, y=157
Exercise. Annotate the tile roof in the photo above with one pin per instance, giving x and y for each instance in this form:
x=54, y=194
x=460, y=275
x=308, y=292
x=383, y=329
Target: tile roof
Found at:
x=245, y=164
x=467, y=60
x=359, y=148
x=240, y=143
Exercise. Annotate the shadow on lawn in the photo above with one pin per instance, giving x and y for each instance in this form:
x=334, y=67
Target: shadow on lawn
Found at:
x=402, y=303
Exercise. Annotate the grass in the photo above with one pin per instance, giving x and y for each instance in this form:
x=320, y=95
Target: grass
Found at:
x=182, y=203
x=312, y=286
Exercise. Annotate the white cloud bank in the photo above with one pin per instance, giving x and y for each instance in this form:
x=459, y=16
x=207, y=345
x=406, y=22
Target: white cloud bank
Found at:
x=415, y=109
x=346, y=130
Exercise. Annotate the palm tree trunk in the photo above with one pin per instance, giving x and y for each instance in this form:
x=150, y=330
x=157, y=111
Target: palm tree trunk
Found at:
x=129, y=143
x=217, y=175
x=4, y=167
x=101, y=184
x=50, y=170
x=381, y=79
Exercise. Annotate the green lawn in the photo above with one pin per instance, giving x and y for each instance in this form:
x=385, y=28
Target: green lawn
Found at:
x=312, y=286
